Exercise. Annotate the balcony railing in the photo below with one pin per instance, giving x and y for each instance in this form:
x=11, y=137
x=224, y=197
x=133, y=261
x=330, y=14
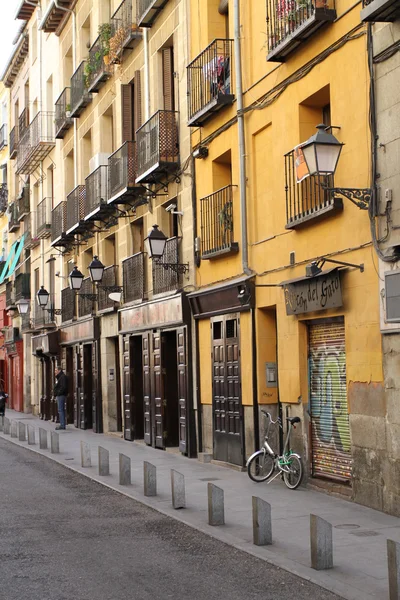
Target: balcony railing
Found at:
x=10, y=295
x=123, y=30
x=148, y=11
x=26, y=323
x=377, y=11
x=216, y=217
x=23, y=286
x=36, y=142
x=166, y=280
x=14, y=142
x=68, y=304
x=291, y=22
x=80, y=95
x=3, y=197
x=133, y=275
x=97, y=67
x=96, y=194
x=23, y=122
x=3, y=136
x=158, y=147
x=58, y=224
x=44, y=217
x=13, y=223
x=109, y=279
x=85, y=305
x=76, y=210
x=24, y=203
x=30, y=234
x=44, y=319
x=308, y=199
x=63, y=120
x=122, y=171
x=209, y=82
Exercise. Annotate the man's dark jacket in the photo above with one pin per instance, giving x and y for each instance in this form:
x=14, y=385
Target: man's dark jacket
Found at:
x=61, y=387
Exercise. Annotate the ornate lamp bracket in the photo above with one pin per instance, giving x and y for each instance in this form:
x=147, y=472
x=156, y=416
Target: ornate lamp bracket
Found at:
x=361, y=197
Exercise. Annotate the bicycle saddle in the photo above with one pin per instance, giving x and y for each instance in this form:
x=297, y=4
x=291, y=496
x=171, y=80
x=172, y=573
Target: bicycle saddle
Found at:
x=293, y=420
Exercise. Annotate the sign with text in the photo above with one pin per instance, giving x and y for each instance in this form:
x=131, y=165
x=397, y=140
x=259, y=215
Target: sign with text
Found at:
x=80, y=332
x=315, y=293
x=155, y=314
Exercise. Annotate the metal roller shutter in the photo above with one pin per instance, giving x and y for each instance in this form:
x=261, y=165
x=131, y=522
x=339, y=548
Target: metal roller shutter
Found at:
x=330, y=428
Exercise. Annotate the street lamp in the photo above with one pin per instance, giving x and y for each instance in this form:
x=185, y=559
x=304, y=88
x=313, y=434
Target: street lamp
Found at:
x=42, y=297
x=23, y=306
x=321, y=153
x=156, y=242
x=75, y=279
x=96, y=270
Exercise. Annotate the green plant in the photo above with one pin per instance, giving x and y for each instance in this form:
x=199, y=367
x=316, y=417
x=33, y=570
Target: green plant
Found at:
x=67, y=108
x=87, y=73
x=226, y=219
x=104, y=38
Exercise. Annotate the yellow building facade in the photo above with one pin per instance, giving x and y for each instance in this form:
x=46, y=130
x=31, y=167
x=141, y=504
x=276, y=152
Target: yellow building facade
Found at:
x=271, y=337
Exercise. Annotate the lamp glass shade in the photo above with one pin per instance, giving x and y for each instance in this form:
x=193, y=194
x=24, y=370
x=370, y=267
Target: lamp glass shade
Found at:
x=321, y=152
x=156, y=241
x=42, y=297
x=75, y=279
x=23, y=306
x=96, y=270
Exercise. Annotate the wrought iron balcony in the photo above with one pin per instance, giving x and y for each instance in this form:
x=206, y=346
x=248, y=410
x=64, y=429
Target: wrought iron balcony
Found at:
x=63, y=120
x=30, y=234
x=26, y=322
x=307, y=200
x=209, y=82
x=158, y=147
x=216, y=218
x=124, y=31
x=133, y=276
x=23, y=203
x=122, y=171
x=44, y=319
x=13, y=223
x=3, y=198
x=166, y=280
x=23, y=122
x=22, y=286
x=76, y=210
x=59, y=236
x=291, y=22
x=96, y=184
x=36, y=142
x=376, y=11
x=44, y=218
x=85, y=305
x=68, y=305
x=80, y=95
x=10, y=295
x=104, y=302
x=3, y=136
x=148, y=11
x=97, y=67
x=14, y=142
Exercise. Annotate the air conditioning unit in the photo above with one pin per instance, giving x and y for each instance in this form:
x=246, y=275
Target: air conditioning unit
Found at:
x=97, y=161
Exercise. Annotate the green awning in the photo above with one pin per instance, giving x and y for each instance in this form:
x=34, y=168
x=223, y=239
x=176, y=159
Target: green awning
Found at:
x=12, y=260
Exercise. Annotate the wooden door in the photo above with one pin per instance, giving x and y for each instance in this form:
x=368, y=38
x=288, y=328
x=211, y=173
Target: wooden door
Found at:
x=182, y=361
x=97, y=408
x=77, y=383
x=148, y=425
x=157, y=391
x=128, y=415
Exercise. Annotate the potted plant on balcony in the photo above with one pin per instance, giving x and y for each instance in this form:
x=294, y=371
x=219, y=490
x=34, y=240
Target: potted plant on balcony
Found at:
x=116, y=44
x=104, y=39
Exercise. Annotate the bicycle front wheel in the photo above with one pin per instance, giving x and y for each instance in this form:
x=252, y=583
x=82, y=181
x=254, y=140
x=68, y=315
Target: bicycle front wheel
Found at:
x=261, y=466
x=294, y=473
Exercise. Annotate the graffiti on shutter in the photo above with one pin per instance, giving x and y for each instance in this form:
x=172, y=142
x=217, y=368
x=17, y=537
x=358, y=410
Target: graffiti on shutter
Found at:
x=330, y=437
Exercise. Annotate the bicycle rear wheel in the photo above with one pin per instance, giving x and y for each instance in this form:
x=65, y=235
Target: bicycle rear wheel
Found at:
x=294, y=474
x=261, y=466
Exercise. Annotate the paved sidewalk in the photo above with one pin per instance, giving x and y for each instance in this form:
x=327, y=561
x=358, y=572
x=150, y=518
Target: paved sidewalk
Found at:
x=359, y=533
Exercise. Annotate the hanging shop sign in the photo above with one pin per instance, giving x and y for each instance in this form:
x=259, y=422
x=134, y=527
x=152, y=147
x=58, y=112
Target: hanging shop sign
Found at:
x=154, y=314
x=82, y=331
x=313, y=293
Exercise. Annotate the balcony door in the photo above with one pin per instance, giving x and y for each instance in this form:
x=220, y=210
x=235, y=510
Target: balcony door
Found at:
x=131, y=108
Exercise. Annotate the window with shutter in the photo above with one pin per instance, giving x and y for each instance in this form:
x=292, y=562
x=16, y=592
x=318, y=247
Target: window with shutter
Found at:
x=168, y=78
x=127, y=113
x=137, y=102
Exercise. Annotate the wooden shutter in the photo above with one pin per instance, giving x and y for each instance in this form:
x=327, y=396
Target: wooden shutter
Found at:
x=183, y=391
x=127, y=124
x=128, y=424
x=137, y=103
x=168, y=78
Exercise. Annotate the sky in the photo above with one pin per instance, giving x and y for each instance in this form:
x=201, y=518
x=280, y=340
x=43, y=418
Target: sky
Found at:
x=8, y=29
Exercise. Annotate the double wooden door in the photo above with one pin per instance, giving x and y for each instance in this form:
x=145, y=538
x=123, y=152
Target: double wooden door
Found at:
x=87, y=387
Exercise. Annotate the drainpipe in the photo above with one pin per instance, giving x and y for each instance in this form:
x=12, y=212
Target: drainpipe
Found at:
x=242, y=146
x=146, y=74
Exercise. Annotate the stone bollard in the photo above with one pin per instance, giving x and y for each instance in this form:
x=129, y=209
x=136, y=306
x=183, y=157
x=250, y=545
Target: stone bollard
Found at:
x=104, y=461
x=321, y=543
x=42, y=438
x=86, y=456
x=6, y=425
x=262, y=525
x=124, y=470
x=14, y=431
x=31, y=435
x=54, y=443
x=22, y=432
x=149, y=479
x=1, y=423
x=178, y=489
x=216, y=515
x=393, y=553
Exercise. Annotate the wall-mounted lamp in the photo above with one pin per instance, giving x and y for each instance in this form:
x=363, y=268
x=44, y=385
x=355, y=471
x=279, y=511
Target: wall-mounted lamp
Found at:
x=156, y=242
x=315, y=267
x=96, y=271
x=42, y=297
x=23, y=306
x=200, y=152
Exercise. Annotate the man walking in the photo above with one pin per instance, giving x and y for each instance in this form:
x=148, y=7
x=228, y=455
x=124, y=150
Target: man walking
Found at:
x=60, y=392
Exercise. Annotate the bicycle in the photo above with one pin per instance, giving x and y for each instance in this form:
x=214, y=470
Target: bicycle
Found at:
x=262, y=464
